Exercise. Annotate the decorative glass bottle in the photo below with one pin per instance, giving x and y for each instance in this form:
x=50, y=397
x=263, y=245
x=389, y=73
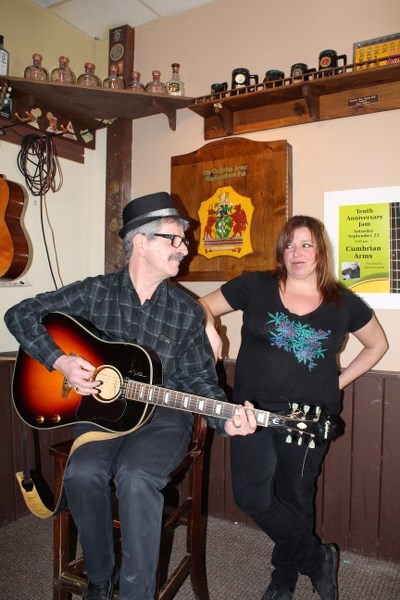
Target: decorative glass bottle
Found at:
x=155, y=86
x=88, y=78
x=35, y=70
x=114, y=81
x=63, y=73
x=175, y=87
x=135, y=85
x=4, y=58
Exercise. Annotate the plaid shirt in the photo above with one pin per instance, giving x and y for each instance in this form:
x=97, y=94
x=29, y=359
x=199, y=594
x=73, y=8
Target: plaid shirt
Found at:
x=171, y=323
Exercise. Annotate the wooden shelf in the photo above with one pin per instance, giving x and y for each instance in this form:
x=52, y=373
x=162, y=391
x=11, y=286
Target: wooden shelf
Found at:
x=349, y=91
x=76, y=112
x=98, y=103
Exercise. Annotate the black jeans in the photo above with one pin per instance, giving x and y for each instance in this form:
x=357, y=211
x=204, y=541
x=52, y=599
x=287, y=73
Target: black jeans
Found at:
x=140, y=464
x=274, y=483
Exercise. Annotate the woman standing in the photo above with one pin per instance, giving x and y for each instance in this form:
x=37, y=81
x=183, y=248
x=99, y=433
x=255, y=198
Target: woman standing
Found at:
x=295, y=320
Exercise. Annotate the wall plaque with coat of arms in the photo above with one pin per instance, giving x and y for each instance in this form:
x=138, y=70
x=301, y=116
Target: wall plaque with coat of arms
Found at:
x=238, y=194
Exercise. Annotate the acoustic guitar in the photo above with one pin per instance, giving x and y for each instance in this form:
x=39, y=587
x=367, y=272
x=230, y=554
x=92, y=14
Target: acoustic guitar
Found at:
x=130, y=388
x=14, y=247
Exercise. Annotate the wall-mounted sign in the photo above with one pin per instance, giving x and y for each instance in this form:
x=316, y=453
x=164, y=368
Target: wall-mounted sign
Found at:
x=364, y=226
x=381, y=51
x=239, y=193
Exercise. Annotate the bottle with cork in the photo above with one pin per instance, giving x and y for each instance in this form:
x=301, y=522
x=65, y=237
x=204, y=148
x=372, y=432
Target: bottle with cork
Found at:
x=63, y=73
x=156, y=86
x=175, y=86
x=35, y=70
x=4, y=58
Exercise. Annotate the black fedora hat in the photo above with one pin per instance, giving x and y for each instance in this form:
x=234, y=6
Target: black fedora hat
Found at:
x=148, y=208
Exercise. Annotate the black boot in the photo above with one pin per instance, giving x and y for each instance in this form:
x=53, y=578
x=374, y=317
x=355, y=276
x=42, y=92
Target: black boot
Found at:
x=276, y=591
x=326, y=582
x=102, y=591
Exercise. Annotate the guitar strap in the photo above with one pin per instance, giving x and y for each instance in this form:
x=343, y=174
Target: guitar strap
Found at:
x=28, y=489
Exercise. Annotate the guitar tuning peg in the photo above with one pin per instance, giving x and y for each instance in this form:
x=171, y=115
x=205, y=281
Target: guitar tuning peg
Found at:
x=289, y=439
x=311, y=444
x=318, y=410
x=306, y=408
x=295, y=406
x=300, y=441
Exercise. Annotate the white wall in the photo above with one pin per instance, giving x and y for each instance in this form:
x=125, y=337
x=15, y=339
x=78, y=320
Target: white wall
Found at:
x=351, y=153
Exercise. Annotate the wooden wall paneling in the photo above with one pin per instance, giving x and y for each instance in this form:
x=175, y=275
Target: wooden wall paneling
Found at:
x=218, y=458
x=232, y=512
x=366, y=463
x=389, y=521
x=333, y=502
x=216, y=463
x=358, y=495
x=216, y=478
x=7, y=504
x=17, y=463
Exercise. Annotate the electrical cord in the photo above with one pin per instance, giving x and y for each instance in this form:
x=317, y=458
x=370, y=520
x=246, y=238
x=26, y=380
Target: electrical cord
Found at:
x=37, y=161
x=38, y=164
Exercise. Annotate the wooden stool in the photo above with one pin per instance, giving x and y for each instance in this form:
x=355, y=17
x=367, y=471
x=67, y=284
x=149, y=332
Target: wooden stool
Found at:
x=69, y=576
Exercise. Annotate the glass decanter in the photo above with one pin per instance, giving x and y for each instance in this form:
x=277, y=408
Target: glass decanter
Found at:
x=155, y=86
x=63, y=73
x=35, y=70
x=175, y=87
x=88, y=78
x=135, y=85
x=114, y=80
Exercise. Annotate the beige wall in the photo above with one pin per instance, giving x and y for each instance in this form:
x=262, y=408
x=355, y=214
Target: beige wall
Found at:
x=76, y=212
x=343, y=154
x=351, y=153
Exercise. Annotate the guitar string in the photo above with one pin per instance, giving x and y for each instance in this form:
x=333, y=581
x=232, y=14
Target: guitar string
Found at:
x=297, y=415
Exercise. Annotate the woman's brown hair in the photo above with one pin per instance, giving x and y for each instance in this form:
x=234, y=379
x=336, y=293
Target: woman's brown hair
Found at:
x=328, y=286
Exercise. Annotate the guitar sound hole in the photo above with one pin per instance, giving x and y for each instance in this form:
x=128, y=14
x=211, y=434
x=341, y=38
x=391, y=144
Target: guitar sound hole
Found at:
x=111, y=382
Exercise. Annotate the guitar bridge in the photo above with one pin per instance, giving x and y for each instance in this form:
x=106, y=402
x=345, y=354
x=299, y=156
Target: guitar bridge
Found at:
x=66, y=388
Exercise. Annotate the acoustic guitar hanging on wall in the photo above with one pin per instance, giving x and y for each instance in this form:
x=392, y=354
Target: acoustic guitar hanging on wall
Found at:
x=14, y=246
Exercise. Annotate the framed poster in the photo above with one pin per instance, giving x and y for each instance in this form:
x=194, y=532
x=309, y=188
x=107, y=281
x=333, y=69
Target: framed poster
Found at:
x=382, y=50
x=364, y=229
x=238, y=193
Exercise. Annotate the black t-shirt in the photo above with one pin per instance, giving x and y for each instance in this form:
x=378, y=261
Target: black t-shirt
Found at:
x=283, y=357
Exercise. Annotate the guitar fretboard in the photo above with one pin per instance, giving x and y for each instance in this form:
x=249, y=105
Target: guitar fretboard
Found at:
x=160, y=396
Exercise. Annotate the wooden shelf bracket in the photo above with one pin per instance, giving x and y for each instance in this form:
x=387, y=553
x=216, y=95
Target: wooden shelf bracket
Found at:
x=312, y=101
x=168, y=111
x=225, y=115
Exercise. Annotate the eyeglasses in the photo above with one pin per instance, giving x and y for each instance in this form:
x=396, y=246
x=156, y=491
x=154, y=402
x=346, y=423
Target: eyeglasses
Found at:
x=176, y=240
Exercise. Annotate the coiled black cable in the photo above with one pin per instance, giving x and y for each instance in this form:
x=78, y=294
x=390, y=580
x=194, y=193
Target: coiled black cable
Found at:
x=37, y=161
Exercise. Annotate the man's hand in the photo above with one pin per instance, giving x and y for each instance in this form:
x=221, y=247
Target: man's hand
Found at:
x=242, y=423
x=78, y=372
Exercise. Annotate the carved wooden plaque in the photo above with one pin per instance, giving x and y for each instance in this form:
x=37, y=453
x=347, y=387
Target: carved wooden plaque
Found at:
x=239, y=193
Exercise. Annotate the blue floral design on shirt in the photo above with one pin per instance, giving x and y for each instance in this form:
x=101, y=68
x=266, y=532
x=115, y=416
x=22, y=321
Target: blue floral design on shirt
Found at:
x=303, y=341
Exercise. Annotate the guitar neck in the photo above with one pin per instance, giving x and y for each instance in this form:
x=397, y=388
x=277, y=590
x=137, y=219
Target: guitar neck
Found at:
x=152, y=394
